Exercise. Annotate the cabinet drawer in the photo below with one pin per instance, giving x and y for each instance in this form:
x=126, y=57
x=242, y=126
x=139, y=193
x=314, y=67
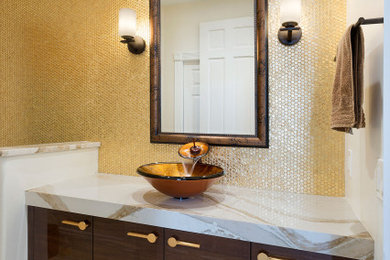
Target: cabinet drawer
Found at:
x=281, y=253
x=123, y=240
x=191, y=246
x=59, y=235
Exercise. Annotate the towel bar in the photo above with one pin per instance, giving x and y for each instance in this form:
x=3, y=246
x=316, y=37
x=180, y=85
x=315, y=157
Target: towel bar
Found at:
x=363, y=21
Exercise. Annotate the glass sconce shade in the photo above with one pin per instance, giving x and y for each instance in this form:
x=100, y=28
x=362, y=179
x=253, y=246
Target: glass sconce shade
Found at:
x=290, y=16
x=127, y=27
x=127, y=22
x=290, y=11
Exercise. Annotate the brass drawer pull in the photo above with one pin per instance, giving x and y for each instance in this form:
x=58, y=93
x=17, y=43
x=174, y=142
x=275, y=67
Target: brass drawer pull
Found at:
x=264, y=256
x=152, y=238
x=172, y=242
x=82, y=225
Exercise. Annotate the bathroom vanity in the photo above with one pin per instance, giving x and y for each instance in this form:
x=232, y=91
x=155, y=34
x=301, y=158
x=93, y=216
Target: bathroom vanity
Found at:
x=76, y=213
x=67, y=235
x=105, y=216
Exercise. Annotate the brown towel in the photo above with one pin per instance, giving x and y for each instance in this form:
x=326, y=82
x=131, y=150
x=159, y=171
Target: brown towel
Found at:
x=347, y=100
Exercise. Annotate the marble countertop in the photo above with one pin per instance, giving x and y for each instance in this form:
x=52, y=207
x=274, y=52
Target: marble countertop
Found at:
x=46, y=148
x=306, y=222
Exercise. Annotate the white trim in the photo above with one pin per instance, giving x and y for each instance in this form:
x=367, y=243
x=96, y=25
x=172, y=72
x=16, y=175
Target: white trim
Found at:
x=186, y=56
x=386, y=136
x=179, y=58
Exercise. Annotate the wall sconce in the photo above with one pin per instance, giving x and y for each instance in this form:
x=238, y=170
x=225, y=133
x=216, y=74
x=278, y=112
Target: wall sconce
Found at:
x=127, y=28
x=290, y=14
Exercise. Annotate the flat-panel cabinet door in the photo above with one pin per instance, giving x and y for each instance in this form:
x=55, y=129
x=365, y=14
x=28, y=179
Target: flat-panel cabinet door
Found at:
x=190, y=246
x=58, y=235
x=118, y=240
x=266, y=252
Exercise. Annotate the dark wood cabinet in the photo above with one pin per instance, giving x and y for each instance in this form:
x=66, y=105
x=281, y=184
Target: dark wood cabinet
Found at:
x=191, y=246
x=261, y=252
x=56, y=235
x=127, y=241
x=59, y=235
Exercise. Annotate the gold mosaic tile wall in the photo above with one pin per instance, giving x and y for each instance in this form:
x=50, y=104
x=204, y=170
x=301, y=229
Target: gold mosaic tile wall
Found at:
x=65, y=77
x=15, y=88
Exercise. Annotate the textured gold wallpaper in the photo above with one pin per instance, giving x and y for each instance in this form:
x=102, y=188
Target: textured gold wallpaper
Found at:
x=65, y=77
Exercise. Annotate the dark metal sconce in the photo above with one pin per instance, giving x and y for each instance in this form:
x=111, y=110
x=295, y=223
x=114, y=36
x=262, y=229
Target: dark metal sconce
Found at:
x=290, y=33
x=127, y=27
x=290, y=15
x=136, y=44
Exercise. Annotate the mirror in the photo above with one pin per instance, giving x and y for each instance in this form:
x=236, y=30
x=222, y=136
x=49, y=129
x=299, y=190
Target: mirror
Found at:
x=209, y=72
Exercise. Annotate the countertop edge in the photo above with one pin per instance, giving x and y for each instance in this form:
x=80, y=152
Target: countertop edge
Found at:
x=46, y=148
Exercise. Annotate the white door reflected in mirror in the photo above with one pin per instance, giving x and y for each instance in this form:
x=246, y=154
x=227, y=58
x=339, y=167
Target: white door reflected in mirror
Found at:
x=208, y=67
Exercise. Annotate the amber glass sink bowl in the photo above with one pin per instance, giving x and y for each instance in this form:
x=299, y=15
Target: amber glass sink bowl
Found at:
x=172, y=179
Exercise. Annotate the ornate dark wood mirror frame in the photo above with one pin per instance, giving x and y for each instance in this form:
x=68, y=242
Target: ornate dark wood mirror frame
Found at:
x=260, y=139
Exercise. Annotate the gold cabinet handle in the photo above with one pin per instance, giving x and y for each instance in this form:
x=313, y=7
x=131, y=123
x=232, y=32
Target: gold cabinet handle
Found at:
x=152, y=238
x=82, y=225
x=172, y=242
x=264, y=256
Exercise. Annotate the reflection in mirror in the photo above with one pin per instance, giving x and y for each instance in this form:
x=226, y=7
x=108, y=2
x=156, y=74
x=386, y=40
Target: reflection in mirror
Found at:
x=208, y=67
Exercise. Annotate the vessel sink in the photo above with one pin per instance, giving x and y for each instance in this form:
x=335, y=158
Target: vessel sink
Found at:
x=173, y=180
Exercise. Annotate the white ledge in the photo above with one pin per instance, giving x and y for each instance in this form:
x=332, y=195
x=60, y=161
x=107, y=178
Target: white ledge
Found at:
x=46, y=148
x=312, y=223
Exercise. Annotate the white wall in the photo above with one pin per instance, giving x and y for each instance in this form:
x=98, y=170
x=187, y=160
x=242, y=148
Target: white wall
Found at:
x=386, y=141
x=364, y=148
x=180, y=33
x=23, y=172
